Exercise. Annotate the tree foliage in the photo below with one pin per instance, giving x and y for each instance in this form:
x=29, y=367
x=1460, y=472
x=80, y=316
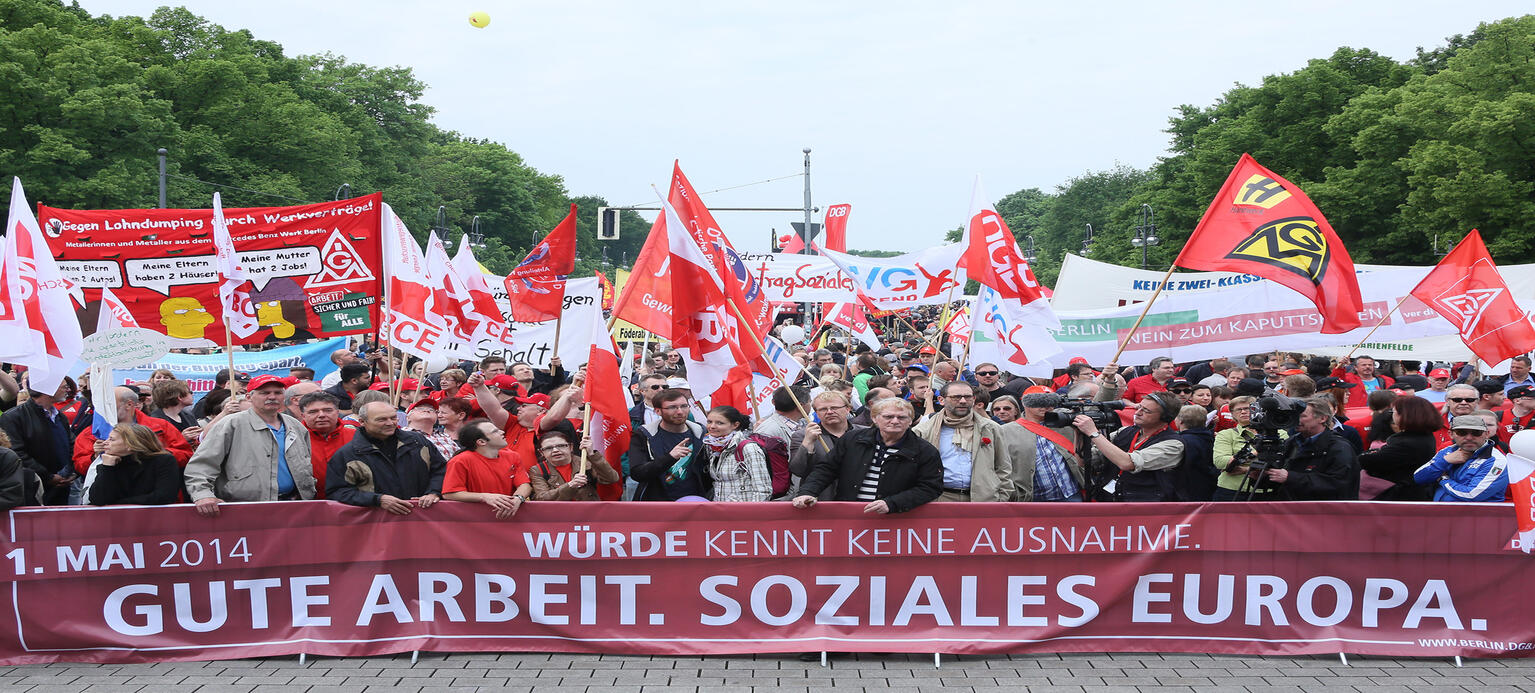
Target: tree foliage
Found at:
x=85, y=102
x=1395, y=154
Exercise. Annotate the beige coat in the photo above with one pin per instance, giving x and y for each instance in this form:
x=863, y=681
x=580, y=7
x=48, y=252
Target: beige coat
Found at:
x=991, y=468
x=237, y=460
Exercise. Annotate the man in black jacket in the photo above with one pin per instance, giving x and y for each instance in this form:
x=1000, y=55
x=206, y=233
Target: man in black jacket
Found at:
x=386, y=467
x=889, y=468
x=1319, y=465
x=40, y=437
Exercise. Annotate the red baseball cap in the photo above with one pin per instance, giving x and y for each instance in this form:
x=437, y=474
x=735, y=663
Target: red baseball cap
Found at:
x=261, y=381
x=1076, y=359
x=540, y=400
x=424, y=402
x=505, y=381
x=927, y=350
x=289, y=380
x=1439, y=373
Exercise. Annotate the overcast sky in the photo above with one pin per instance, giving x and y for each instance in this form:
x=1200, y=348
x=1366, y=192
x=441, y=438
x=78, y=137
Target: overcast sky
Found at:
x=902, y=103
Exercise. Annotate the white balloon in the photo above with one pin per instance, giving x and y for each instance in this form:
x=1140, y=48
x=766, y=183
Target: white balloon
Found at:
x=1523, y=444
x=791, y=334
x=440, y=362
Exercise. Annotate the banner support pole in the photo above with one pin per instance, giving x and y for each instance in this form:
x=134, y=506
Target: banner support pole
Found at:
x=229, y=350
x=1383, y=320
x=1144, y=311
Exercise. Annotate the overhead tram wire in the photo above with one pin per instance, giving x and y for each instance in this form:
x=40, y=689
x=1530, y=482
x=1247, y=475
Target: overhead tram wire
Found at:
x=732, y=187
x=236, y=187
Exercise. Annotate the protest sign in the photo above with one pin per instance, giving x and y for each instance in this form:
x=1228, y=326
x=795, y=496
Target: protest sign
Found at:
x=1249, y=318
x=314, y=268
x=925, y=277
x=533, y=342
x=199, y=370
x=129, y=584
x=125, y=346
x=787, y=278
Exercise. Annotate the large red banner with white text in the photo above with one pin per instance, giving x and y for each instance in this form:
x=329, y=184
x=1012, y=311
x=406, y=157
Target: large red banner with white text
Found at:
x=314, y=268
x=136, y=584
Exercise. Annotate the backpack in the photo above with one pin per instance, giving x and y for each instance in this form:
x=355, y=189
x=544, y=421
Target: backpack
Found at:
x=777, y=457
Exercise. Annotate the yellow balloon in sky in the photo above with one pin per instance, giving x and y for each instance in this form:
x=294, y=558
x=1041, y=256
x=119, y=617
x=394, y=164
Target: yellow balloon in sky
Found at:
x=479, y=20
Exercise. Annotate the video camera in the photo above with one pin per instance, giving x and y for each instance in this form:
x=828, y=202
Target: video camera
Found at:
x=1104, y=414
x=1270, y=415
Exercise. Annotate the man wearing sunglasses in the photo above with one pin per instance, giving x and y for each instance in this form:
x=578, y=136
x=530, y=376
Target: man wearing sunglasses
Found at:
x=1459, y=400
x=1470, y=469
x=642, y=414
x=988, y=378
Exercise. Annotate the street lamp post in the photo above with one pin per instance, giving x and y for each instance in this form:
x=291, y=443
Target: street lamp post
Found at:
x=476, y=238
x=343, y=192
x=1029, y=256
x=1146, y=233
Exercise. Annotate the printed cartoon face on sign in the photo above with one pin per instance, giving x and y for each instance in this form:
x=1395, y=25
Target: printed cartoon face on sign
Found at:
x=184, y=318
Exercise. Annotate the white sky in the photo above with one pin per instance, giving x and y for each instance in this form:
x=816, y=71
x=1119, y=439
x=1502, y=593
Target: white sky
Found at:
x=902, y=102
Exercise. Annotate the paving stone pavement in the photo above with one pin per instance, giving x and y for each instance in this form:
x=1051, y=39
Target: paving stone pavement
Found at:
x=522, y=673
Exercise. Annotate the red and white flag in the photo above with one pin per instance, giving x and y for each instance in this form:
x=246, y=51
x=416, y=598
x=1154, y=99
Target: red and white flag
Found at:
x=1467, y=290
x=38, y=327
x=836, y=227
x=958, y=328
x=608, y=401
x=234, y=289
x=450, y=296
x=482, y=298
x=410, y=320
x=1521, y=489
x=114, y=313
x=851, y=318
x=739, y=283
x=1016, y=318
x=703, y=330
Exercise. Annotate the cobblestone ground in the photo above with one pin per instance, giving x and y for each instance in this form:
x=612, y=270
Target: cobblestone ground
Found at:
x=886, y=674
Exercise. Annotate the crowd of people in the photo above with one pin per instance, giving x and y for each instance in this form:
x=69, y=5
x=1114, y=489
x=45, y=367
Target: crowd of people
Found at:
x=890, y=428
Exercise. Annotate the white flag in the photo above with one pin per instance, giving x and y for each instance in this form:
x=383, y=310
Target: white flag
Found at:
x=239, y=309
x=38, y=327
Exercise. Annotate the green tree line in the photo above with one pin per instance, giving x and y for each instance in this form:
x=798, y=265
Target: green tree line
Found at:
x=85, y=102
x=1402, y=157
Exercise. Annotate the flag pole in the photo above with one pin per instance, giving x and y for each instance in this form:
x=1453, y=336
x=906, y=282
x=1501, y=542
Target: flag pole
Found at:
x=229, y=350
x=777, y=374
x=1144, y=311
x=1383, y=320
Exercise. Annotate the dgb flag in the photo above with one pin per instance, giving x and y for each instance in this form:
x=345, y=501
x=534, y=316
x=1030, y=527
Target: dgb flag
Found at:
x=1262, y=224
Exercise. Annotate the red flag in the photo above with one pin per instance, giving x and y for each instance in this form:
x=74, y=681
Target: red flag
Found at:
x=555, y=256
x=647, y=298
x=607, y=400
x=704, y=328
x=1262, y=224
x=790, y=244
x=607, y=290
x=836, y=227
x=1466, y=288
x=535, y=300
x=851, y=318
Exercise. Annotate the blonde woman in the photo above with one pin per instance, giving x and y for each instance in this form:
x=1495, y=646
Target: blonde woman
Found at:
x=135, y=470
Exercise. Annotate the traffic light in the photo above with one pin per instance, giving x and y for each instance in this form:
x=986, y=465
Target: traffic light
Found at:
x=607, y=224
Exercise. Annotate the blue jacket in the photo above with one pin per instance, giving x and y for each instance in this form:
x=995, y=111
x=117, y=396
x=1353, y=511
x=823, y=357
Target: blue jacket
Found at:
x=1484, y=477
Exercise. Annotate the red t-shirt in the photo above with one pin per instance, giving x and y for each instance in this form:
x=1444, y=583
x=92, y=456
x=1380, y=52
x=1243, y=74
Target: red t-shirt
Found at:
x=1142, y=386
x=471, y=471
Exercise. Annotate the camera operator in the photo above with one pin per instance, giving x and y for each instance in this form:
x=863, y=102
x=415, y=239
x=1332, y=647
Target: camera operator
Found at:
x=1146, y=453
x=1319, y=465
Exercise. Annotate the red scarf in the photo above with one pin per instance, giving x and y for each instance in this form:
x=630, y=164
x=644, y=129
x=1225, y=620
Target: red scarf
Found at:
x=1042, y=431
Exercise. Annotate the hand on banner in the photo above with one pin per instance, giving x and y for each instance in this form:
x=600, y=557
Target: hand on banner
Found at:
x=208, y=507
x=427, y=500
x=394, y=505
x=878, y=507
x=503, y=506
x=805, y=501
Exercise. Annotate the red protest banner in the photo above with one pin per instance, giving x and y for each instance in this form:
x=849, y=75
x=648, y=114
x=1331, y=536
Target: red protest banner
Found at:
x=146, y=583
x=314, y=268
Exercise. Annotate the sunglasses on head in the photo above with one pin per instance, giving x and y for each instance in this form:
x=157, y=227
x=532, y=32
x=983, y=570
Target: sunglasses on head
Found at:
x=1462, y=400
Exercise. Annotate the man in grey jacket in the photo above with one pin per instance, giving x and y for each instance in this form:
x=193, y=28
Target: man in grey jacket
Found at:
x=260, y=454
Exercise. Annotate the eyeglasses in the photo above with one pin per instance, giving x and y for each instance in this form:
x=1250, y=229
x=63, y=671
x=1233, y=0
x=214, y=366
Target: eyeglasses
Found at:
x=986, y=372
x=1181, y=390
x=554, y=448
x=1462, y=400
x=959, y=396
